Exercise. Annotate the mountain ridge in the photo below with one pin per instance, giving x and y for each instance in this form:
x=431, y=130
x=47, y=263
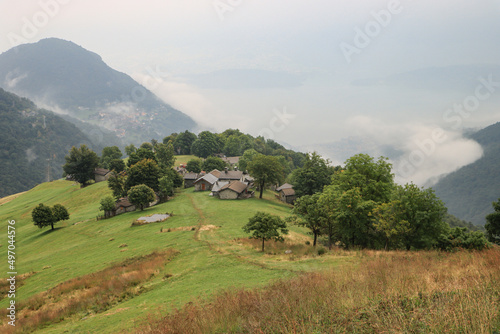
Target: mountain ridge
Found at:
x=469, y=191
x=63, y=75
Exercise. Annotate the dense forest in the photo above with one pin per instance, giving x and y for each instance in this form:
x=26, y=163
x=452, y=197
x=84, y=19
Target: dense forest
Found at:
x=28, y=137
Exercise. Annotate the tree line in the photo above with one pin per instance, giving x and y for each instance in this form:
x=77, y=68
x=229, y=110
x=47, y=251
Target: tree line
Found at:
x=360, y=205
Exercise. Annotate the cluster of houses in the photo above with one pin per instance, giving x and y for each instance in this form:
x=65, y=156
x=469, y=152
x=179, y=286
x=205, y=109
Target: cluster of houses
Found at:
x=226, y=184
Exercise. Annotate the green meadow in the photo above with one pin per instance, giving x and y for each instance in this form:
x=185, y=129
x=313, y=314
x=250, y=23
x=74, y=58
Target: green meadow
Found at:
x=213, y=254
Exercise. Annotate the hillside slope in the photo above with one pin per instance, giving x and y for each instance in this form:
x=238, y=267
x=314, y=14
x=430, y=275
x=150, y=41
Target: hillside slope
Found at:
x=28, y=137
x=61, y=74
x=213, y=253
x=469, y=191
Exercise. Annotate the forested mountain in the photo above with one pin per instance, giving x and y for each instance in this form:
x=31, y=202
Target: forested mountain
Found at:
x=28, y=137
x=61, y=74
x=469, y=191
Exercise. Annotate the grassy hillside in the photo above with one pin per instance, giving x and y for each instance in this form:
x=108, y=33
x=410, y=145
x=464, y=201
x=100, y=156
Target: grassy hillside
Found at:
x=389, y=292
x=212, y=252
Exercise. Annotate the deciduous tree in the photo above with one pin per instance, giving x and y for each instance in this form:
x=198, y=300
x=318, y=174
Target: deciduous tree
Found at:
x=266, y=170
x=109, y=153
x=206, y=145
x=129, y=149
x=166, y=187
x=81, y=164
x=493, y=224
x=194, y=165
x=59, y=213
x=313, y=176
x=183, y=142
x=165, y=155
x=108, y=206
x=311, y=215
x=116, y=183
x=42, y=216
x=144, y=172
x=141, y=195
x=139, y=155
x=212, y=163
x=266, y=227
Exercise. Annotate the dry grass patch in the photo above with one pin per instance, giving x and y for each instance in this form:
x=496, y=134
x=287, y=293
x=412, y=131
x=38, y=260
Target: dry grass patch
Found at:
x=191, y=228
x=385, y=292
x=88, y=294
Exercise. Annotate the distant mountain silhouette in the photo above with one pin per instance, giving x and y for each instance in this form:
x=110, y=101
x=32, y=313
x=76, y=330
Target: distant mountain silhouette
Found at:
x=61, y=74
x=469, y=191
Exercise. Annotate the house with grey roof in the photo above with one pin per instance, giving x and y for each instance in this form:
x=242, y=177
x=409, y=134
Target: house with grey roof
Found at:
x=284, y=186
x=287, y=195
x=101, y=174
x=205, y=182
x=218, y=186
x=189, y=179
x=231, y=175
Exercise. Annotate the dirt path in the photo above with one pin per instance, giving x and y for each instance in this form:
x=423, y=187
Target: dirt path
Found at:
x=239, y=258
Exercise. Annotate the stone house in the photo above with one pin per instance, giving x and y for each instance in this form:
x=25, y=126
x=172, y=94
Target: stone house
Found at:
x=287, y=195
x=231, y=175
x=217, y=187
x=215, y=173
x=101, y=174
x=123, y=205
x=234, y=190
x=189, y=179
x=284, y=186
x=205, y=182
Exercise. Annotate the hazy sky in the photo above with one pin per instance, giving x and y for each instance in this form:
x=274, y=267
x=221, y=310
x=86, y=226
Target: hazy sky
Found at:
x=285, y=69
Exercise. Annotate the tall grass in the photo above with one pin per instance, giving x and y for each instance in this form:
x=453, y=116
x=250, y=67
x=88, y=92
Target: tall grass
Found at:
x=88, y=294
x=386, y=292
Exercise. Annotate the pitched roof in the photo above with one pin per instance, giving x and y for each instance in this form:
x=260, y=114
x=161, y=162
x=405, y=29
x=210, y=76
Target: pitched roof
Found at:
x=231, y=175
x=101, y=171
x=218, y=185
x=124, y=202
x=208, y=177
x=231, y=160
x=236, y=186
x=216, y=173
x=284, y=186
x=288, y=192
x=190, y=176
